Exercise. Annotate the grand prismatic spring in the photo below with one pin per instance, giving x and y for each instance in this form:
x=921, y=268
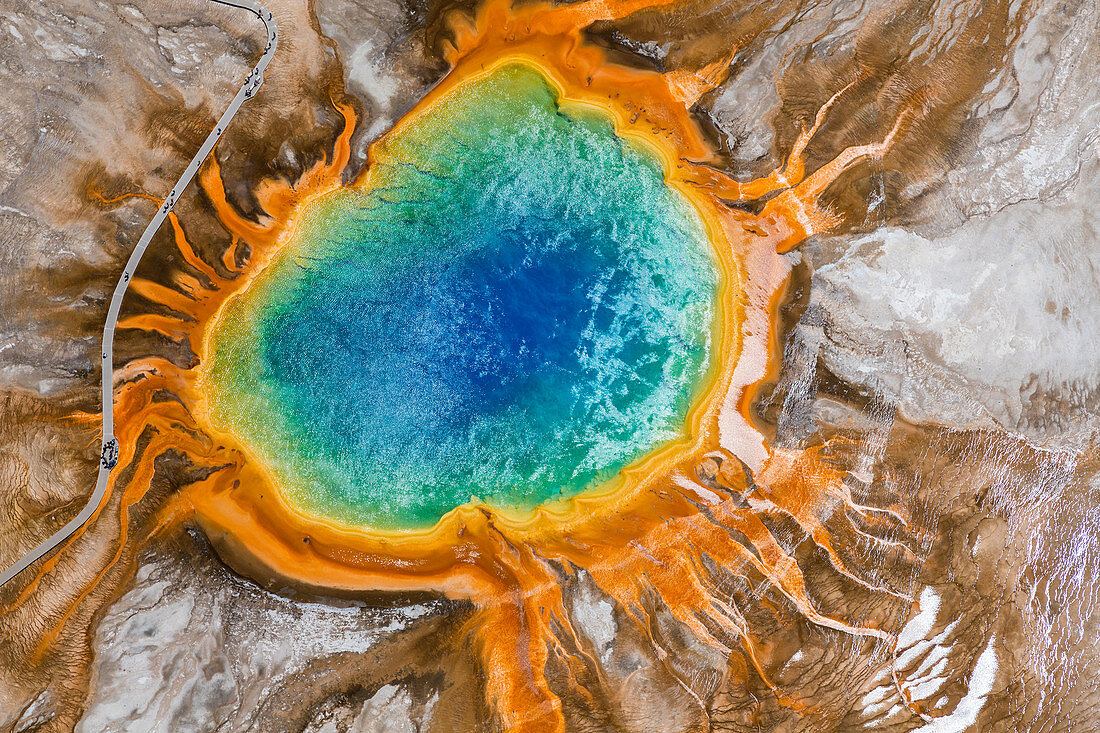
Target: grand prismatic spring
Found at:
x=598, y=366
x=525, y=309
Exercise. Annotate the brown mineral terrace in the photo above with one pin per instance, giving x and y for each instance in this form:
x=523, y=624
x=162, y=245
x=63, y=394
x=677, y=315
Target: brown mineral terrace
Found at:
x=109, y=454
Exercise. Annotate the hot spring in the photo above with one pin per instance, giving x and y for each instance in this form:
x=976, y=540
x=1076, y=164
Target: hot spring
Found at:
x=511, y=307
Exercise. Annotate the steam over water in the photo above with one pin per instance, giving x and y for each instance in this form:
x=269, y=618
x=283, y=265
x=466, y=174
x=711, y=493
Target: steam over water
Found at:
x=514, y=309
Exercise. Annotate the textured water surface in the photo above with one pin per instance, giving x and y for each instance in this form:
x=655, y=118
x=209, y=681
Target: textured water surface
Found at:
x=513, y=308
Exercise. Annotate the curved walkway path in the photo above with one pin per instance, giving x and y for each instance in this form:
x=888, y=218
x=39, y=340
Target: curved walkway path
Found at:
x=109, y=455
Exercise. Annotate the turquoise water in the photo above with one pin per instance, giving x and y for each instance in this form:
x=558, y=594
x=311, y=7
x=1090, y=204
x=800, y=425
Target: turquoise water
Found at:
x=512, y=311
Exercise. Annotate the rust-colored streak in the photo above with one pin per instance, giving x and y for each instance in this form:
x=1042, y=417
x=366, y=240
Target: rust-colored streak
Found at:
x=185, y=249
